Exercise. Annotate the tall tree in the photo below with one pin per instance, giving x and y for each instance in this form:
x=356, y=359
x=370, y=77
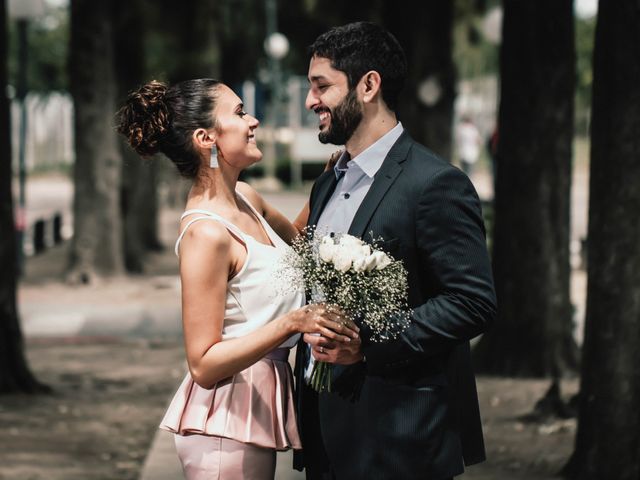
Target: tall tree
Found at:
x=97, y=241
x=426, y=33
x=241, y=55
x=533, y=331
x=15, y=375
x=190, y=30
x=139, y=200
x=608, y=438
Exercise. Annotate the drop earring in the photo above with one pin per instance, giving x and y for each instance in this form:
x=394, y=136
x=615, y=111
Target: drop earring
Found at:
x=213, y=160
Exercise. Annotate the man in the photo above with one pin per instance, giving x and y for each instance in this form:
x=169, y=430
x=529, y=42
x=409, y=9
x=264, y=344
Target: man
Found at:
x=468, y=143
x=415, y=414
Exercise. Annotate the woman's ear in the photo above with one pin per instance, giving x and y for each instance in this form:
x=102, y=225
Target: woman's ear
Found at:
x=371, y=84
x=203, y=139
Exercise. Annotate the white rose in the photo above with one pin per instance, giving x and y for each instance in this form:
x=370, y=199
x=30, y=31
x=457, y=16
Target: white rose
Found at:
x=355, y=252
x=350, y=240
x=342, y=260
x=365, y=261
x=381, y=260
x=360, y=265
x=327, y=239
x=370, y=262
x=327, y=249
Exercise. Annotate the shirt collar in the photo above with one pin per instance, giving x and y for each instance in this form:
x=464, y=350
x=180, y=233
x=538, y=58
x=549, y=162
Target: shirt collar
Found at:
x=370, y=160
x=340, y=168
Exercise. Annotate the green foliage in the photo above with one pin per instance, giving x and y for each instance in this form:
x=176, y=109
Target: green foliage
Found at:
x=48, y=46
x=473, y=55
x=585, y=35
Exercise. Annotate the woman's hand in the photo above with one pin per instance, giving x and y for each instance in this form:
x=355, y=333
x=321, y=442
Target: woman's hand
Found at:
x=326, y=320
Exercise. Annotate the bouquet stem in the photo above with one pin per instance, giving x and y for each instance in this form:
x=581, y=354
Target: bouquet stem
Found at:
x=321, y=377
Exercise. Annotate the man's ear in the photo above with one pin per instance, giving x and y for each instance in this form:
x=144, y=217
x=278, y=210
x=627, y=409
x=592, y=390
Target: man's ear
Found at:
x=370, y=85
x=203, y=139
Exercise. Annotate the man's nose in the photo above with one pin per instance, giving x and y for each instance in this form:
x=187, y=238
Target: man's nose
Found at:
x=311, y=101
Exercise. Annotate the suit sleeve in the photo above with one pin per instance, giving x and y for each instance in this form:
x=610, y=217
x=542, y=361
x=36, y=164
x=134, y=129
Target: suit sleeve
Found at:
x=453, y=256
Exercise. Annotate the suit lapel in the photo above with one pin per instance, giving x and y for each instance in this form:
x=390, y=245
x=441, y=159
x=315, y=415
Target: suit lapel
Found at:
x=326, y=184
x=390, y=169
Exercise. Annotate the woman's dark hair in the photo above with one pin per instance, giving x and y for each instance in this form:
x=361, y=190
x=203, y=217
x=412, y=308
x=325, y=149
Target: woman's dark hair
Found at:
x=359, y=47
x=159, y=118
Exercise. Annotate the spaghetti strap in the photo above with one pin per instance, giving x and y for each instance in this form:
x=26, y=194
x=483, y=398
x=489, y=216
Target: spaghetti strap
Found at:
x=214, y=216
x=261, y=220
x=186, y=213
x=207, y=216
x=249, y=204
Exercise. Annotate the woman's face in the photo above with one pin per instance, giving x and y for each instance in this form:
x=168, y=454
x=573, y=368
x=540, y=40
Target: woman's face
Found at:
x=235, y=130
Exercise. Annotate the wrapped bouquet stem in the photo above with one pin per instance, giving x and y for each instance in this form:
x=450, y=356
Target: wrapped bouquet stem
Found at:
x=365, y=282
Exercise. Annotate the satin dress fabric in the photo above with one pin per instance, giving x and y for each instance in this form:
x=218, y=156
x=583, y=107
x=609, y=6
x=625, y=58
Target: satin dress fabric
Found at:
x=234, y=429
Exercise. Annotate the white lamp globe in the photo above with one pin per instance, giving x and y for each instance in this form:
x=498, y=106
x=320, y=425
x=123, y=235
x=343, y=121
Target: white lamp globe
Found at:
x=276, y=45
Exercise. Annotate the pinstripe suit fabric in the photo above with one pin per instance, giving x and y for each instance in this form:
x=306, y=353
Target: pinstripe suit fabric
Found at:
x=417, y=414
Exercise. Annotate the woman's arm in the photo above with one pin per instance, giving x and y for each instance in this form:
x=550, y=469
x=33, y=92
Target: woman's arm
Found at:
x=208, y=255
x=281, y=225
x=302, y=219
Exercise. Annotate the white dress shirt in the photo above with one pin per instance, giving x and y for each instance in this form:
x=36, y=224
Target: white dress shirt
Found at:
x=355, y=177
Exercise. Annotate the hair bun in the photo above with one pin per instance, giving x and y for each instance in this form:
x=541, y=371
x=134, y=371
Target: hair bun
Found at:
x=144, y=119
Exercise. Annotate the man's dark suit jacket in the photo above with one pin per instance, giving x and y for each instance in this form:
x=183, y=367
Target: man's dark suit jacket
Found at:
x=417, y=414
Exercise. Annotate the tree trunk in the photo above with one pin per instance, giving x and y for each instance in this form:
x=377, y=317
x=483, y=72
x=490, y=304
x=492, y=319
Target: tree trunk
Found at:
x=193, y=31
x=139, y=201
x=426, y=34
x=608, y=438
x=15, y=375
x=97, y=242
x=533, y=331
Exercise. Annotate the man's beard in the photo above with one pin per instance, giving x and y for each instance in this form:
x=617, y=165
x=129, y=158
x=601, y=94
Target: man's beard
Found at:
x=345, y=118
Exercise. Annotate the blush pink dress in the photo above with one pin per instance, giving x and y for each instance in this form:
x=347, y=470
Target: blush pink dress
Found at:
x=234, y=429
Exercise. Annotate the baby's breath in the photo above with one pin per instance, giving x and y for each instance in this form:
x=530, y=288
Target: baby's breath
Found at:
x=375, y=298
x=373, y=289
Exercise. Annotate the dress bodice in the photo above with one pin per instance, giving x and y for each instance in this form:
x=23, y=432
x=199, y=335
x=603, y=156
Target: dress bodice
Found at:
x=259, y=292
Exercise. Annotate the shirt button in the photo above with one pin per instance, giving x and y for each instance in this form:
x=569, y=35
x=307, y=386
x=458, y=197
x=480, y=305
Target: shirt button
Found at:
x=346, y=196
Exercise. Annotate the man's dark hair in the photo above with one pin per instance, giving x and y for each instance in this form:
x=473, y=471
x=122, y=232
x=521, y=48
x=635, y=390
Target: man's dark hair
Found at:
x=359, y=47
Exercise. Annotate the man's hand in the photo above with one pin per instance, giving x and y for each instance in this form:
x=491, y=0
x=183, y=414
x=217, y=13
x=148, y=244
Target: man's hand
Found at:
x=330, y=351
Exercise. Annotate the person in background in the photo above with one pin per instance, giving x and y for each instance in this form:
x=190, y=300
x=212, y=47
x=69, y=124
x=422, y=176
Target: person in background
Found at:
x=468, y=144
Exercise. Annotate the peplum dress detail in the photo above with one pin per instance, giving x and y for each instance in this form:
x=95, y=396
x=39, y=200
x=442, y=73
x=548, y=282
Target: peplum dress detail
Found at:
x=256, y=405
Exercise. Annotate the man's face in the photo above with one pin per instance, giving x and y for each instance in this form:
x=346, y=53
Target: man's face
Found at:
x=329, y=96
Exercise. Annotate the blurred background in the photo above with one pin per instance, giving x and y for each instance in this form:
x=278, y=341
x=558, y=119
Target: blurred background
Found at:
x=538, y=101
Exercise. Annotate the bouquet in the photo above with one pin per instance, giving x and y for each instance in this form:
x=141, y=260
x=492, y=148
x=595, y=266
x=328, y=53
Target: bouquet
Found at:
x=366, y=283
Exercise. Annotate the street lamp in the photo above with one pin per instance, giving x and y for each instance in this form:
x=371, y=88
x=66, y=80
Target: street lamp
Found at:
x=23, y=11
x=276, y=47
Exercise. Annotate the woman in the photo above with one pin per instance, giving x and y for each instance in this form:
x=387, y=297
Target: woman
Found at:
x=234, y=409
